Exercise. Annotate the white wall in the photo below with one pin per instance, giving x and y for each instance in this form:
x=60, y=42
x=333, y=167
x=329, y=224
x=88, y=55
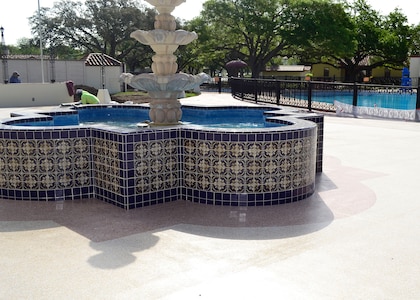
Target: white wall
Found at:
x=415, y=70
x=34, y=94
x=65, y=70
x=112, y=75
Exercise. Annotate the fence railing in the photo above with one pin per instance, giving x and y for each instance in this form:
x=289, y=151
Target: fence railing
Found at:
x=318, y=95
x=372, y=80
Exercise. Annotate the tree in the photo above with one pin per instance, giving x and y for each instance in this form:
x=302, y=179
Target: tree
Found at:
x=205, y=51
x=97, y=26
x=245, y=29
x=379, y=41
x=415, y=41
x=318, y=29
x=25, y=46
x=258, y=31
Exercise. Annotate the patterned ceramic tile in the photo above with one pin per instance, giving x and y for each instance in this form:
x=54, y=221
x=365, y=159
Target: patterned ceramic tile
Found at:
x=155, y=166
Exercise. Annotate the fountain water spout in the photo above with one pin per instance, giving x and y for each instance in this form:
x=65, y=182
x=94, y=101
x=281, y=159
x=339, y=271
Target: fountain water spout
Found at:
x=164, y=84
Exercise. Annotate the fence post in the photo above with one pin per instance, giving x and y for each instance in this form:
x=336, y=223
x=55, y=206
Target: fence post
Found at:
x=277, y=92
x=355, y=96
x=242, y=83
x=309, y=95
x=417, y=112
x=256, y=90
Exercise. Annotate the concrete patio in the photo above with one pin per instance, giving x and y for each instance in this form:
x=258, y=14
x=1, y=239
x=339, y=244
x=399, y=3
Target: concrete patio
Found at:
x=357, y=237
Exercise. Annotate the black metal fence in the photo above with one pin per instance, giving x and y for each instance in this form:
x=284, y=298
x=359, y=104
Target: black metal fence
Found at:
x=315, y=95
x=221, y=86
x=372, y=80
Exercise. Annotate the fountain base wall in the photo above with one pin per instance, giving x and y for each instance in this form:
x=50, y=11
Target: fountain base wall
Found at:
x=156, y=165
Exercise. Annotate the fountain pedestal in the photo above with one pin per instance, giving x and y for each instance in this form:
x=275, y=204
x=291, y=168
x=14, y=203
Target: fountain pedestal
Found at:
x=165, y=111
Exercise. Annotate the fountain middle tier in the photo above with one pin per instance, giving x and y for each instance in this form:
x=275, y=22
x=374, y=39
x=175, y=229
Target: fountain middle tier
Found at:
x=164, y=85
x=164, y=41
x=165, y=91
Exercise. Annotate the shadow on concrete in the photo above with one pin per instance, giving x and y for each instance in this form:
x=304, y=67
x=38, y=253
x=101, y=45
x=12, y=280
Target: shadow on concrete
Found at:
x=339, y=193
x=117, y=253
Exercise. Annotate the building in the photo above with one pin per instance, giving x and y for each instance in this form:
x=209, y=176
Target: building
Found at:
x=327, y=72
x=286, y=71
x=415, y=69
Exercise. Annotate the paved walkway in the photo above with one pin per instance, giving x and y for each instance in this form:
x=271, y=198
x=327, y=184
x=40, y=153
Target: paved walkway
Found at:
x=357, y=237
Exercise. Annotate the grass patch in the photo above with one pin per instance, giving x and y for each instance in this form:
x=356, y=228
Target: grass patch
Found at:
x=190, y=94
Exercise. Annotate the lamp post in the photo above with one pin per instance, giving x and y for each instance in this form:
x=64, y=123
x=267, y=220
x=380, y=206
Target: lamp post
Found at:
x=102, y=70
x=4, y=55
x=52, y=63
x=40, y=42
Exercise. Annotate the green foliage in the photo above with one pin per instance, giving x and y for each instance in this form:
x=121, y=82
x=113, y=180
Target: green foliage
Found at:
x=97, y=26
x=25, y=47
x=415, y=40
x=258, y=31
x=244, y=29
x=380, y=41
x=318, y=28
x=206, y=50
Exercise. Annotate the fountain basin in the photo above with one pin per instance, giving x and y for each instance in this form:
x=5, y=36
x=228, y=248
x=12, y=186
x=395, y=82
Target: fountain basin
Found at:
x=145, y=166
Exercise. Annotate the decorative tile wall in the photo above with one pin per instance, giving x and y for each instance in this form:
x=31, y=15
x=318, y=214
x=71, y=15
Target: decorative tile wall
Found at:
x=259, y=168
x=35, y=165
x=138, y=168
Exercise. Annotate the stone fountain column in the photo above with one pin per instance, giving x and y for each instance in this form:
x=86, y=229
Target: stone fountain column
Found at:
x=164, y=84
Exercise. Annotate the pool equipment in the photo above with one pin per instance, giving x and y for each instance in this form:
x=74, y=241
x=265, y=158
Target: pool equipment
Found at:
x=405, y=79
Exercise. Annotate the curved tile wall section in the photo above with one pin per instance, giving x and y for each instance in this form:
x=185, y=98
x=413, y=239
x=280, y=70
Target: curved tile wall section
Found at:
x=249, y=168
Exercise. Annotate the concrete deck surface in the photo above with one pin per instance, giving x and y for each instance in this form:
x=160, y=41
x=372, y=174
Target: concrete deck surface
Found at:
x=357, y=237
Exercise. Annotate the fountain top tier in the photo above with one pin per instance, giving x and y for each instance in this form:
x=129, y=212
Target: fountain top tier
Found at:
x=164, y=39
x=165, y=6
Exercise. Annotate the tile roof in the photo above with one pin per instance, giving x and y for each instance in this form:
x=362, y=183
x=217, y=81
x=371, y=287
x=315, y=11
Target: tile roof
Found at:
x=27, y=56
x=99, y=59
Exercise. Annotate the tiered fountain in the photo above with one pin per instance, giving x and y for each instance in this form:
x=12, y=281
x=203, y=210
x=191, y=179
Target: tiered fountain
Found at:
x=164, y=84
x=134, y=167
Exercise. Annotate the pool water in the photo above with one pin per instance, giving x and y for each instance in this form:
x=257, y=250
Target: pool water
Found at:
x=233, y=125
x=227, y=118
x=122, y=124
x=403, y=100
x=128, y=117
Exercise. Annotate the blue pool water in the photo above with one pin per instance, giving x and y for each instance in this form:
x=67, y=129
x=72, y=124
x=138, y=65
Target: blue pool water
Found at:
x=403, y=100
x=129, y=117
x=227, y=118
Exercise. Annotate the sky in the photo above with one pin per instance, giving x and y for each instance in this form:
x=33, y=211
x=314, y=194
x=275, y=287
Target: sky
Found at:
x=14, y=18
